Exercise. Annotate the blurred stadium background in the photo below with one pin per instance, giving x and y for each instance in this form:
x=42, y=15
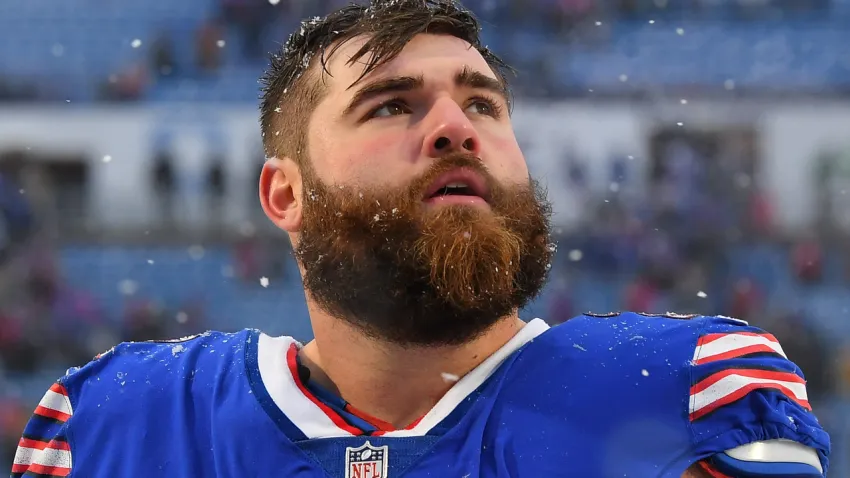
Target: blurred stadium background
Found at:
x=698, y=152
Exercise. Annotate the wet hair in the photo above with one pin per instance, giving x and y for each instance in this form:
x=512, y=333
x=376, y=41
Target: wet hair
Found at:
x=291, y=87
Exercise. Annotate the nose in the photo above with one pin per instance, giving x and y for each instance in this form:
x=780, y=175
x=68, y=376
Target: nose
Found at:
x=450, y=131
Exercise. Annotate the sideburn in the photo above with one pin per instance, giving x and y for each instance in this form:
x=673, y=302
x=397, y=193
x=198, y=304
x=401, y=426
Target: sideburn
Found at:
x=380, y=262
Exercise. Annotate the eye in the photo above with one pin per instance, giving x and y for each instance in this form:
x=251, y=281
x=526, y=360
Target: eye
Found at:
x=390, y=108
x=485, y=106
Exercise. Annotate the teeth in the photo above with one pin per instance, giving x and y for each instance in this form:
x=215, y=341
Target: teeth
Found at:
x=456, y=185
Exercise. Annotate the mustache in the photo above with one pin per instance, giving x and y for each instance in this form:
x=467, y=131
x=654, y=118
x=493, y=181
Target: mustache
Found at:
x=444, y=164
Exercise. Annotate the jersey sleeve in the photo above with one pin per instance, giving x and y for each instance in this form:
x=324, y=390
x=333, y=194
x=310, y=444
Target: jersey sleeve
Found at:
x=43, y=450
x=744, y=389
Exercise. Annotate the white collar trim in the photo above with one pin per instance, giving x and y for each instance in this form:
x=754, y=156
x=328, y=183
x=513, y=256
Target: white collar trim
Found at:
x=314, y=423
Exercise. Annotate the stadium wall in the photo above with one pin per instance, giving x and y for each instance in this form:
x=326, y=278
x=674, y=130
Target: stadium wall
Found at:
x=119, y=143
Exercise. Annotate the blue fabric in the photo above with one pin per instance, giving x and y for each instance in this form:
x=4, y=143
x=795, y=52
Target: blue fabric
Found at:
x=593, y=397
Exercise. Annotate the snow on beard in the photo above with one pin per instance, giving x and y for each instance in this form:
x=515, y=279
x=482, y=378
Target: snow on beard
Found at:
x=380, y=260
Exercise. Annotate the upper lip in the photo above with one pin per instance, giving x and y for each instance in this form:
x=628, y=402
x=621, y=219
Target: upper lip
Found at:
x=473, y=180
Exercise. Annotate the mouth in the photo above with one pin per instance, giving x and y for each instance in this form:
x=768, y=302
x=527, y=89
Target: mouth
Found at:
x=458, y=186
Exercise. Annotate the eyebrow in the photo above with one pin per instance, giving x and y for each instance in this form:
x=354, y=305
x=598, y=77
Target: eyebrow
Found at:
x=474, y=79
x=465, y=78
x=398, y=84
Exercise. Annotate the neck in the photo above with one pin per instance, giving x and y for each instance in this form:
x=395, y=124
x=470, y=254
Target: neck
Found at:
x=396, y=384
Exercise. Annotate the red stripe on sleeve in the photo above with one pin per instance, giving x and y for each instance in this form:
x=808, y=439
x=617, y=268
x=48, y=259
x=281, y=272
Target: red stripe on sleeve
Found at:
x=743, y=392
x=50, y=413
x=750, y=349
x=752, y=373
x=35, y=444
x=59, y=388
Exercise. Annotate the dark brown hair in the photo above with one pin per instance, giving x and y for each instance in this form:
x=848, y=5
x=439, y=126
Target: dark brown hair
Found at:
x=291, y=90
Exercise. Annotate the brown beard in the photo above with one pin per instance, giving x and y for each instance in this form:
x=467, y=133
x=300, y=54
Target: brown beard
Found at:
x=383, y=263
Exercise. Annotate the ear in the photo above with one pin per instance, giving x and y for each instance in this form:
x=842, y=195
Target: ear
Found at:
x=280, y=193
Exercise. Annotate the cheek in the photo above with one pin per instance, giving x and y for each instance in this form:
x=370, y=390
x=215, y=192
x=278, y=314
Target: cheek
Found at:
x=369, y=159
x=505, y=157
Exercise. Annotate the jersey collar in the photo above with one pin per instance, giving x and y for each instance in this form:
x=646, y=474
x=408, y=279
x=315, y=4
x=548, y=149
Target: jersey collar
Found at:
x=291, y=402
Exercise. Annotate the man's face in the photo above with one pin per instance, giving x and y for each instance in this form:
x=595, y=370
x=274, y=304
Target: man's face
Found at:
x=383, y=245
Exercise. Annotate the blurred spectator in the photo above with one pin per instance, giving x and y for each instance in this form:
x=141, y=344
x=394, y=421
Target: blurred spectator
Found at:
x=18, y=353
x=807, y=261
x=641, y=296
x=747, y=300
x=251, y=18
x=164, y=183
x=163, y=59
x=215, y=191
x=561, y=306
x=207, y=49
x=128, y=85
x=144, y=320
x=247, y=259
x=760, y=215
x=571, y=12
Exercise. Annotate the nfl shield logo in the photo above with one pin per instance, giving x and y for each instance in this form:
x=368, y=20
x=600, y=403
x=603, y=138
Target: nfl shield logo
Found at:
x=366, y=461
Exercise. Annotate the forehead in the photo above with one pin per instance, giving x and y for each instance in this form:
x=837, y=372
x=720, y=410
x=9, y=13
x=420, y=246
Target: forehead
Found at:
x=435, y=57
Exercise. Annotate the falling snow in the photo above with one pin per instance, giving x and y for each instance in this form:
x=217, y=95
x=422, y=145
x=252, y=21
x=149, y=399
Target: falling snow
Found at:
x=264, y=281
x=702, y=295
x=128, y=287
x=107, y=158
x=196, y=252
x=644, y=372
x=136, y=43
x=575, y=255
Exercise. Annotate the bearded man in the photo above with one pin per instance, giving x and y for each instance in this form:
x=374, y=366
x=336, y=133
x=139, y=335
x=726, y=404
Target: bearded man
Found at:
x=419, y=235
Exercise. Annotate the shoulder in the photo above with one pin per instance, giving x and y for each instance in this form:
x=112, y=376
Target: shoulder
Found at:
x=671, y=338
x=689, y=339
x=728, y=384
x=135, y=372
x=133, y=386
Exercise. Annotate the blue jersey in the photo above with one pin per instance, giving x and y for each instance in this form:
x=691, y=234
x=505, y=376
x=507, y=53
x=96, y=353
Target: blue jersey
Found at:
x=623, y=395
